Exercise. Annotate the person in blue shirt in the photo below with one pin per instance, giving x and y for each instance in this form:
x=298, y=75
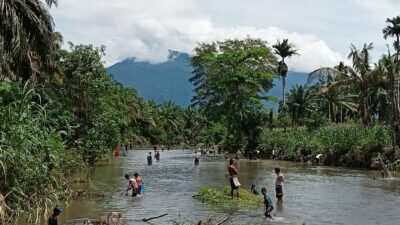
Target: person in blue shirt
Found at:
x=268, y=203
x=53, y=218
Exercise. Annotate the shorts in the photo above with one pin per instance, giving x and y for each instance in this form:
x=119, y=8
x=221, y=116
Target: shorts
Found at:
x=233, y=186
x=139, y=190
x=134, y=194
x=268, y=211
x=279, y=191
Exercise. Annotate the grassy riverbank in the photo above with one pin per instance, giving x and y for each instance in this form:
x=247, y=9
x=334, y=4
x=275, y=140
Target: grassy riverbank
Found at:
x=350, y=145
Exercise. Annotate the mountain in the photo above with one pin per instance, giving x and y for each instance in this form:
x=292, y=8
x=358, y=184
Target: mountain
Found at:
x=168, y=81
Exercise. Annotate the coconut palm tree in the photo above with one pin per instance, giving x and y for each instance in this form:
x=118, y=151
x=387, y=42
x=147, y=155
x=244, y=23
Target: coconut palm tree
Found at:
x=359, y=75
x=333, y=97
x=284, y=49
x=393, y=30
x=27, y=38
x=300, y=102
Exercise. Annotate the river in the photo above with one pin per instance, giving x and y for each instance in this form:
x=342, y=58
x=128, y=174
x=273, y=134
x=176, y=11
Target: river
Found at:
x=312, y=195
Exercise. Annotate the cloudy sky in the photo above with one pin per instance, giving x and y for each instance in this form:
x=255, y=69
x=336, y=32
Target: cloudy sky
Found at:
x=321, y=29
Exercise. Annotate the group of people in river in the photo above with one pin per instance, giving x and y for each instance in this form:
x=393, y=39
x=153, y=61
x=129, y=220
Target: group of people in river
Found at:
x=118, y=152
x=268, y=205
x=135, y=183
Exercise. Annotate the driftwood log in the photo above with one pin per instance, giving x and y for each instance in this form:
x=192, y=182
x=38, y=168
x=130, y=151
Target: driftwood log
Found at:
x=223, y=221
x=152, y=218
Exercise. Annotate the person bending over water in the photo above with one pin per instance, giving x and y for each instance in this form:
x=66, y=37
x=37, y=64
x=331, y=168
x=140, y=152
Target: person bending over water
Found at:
x=233, y=179
x=149, y=159
x=253, y=189
x=279, y=184
x=267, y=203
x=132, y=185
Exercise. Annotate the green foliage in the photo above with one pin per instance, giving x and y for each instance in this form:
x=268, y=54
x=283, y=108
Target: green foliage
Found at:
x=27, y=40
x=315, y=121
x=230, y=80
x=33, y=156
x=342, y=145
x=216, y=197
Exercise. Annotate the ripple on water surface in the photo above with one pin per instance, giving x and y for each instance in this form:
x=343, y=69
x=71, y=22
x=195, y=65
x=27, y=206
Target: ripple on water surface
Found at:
x=314, y=195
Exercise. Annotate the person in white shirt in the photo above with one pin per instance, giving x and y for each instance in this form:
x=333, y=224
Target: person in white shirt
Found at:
x=279, y=184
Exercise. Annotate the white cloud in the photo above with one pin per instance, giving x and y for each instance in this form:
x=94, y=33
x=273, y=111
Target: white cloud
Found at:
x=148, y=29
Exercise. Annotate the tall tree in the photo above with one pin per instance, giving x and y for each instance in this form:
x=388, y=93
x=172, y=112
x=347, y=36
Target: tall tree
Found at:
x=359, y=75
x=393, y=30
x=300, y=102
x=230, y=80
x=284, y=49
x=27, y=39
x=334, y=94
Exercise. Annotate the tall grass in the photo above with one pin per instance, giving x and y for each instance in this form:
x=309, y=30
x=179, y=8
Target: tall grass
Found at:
x=354, y=145
x=33, y=157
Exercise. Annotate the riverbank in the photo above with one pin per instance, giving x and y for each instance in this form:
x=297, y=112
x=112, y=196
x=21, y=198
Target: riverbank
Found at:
x=348, y=146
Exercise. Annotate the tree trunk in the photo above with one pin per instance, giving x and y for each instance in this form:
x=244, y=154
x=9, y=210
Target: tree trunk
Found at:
x=365, y=116
x=394, y=95
x=283, y=91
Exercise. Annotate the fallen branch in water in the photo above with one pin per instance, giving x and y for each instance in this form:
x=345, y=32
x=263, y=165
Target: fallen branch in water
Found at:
x=152, y=218
x=223, y=221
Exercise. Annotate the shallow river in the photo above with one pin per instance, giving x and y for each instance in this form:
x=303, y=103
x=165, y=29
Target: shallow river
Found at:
x=312, y=195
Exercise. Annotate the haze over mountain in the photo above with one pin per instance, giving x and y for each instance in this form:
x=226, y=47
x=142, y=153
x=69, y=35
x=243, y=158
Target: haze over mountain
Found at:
x=168, y=81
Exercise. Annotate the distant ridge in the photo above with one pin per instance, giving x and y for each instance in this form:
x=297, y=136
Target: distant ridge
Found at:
x=168, y=81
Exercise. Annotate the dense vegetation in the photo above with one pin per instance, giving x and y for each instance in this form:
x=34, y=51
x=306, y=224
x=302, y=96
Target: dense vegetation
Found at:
x=351, y=145
x=60, y=109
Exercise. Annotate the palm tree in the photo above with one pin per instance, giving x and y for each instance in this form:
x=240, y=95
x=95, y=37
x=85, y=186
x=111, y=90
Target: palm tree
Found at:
x=27, y=38
x=300, y=102
x=393, y=30
x=284, y=49
x=359, y=75
x=333, y=94
x=393, y=69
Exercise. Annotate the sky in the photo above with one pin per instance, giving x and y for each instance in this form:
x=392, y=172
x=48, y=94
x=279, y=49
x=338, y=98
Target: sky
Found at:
x=322, y=30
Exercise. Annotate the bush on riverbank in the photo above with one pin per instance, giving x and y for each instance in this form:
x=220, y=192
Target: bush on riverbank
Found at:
x=354, y=145
x=33, y=156
x=217, y=197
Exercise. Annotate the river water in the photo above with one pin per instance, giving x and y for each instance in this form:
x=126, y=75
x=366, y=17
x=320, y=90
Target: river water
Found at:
x=312, y=195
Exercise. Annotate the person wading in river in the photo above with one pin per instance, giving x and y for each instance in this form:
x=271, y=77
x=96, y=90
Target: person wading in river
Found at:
x=233, y=179
x=149, y=159
x=196, y=158
x=53, y=218
x=132, y=185
x=157, y=156
x=279, y=184
x=139, y=182
x=267, y=203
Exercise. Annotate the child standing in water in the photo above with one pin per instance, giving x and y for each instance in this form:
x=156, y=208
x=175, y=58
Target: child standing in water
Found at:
x=279, y=184
x=267, y=203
